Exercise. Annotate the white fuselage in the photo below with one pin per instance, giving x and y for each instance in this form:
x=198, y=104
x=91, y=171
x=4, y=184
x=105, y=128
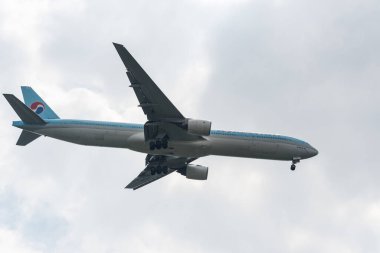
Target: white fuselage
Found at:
x=131, y=136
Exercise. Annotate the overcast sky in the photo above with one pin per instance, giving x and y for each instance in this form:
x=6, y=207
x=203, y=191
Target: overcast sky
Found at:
x=308, y=69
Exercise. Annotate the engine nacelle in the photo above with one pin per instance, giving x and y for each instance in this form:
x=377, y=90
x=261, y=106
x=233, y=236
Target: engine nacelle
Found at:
x=197, y=172
x=198, y=127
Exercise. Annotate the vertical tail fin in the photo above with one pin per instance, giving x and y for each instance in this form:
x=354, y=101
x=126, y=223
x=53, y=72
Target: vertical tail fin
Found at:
x=37, y=104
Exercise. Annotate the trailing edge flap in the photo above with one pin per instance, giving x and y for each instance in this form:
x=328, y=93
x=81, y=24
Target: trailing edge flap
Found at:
x=26, y=137
x=24, y=112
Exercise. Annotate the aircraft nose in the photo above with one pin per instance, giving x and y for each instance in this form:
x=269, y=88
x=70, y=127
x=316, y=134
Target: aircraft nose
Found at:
x=312, y=151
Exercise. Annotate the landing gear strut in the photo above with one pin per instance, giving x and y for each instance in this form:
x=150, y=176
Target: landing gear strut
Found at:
x=294, y=161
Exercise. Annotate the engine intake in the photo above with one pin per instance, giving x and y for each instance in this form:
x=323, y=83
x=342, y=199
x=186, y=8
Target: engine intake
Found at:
x=197, y=172
x=198, y=127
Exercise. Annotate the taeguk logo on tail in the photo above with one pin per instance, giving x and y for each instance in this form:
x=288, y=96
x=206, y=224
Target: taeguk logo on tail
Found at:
x=37, y=107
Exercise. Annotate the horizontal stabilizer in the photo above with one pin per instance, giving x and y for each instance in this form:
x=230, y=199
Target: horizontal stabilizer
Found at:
x=24, y=112
x=26, y=137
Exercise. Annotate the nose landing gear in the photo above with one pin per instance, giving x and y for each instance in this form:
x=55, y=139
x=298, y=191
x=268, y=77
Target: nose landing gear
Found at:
x=294, y=162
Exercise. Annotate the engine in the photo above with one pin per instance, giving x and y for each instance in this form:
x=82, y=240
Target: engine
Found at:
x=197, y=172
x=198, y=127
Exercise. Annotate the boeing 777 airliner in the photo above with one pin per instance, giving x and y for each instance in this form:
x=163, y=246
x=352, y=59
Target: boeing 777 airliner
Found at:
x=170, y=140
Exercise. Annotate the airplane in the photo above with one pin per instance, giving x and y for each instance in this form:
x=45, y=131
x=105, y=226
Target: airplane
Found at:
x=170, y=140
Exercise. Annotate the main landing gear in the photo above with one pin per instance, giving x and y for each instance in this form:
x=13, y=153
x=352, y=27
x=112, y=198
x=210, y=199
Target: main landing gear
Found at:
x=294, y=161
x=158, y=143
x=159, y=170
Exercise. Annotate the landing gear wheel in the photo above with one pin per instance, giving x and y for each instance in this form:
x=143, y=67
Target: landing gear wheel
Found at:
x=294, y=161
x=153, y=171
x=159, y=170
x=165, y=170
x=158, y=144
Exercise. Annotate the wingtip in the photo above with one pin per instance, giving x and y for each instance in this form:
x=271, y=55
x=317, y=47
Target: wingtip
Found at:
x=117, y=44
x=130, y=186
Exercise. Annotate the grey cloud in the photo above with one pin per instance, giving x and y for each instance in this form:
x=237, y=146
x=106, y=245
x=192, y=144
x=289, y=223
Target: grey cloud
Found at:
x=300, y=68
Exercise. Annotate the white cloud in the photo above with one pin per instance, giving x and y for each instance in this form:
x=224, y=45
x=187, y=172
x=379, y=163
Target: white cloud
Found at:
x=308, y=69
x=12, y=241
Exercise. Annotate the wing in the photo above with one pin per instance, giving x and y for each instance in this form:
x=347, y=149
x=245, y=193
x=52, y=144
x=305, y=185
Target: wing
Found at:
x=145, y=177
x=153, y=101
x=158, y=166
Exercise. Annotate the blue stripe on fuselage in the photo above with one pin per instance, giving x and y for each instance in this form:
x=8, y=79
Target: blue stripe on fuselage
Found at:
x=258, y=136
x=63, y=122
x=94, y=123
